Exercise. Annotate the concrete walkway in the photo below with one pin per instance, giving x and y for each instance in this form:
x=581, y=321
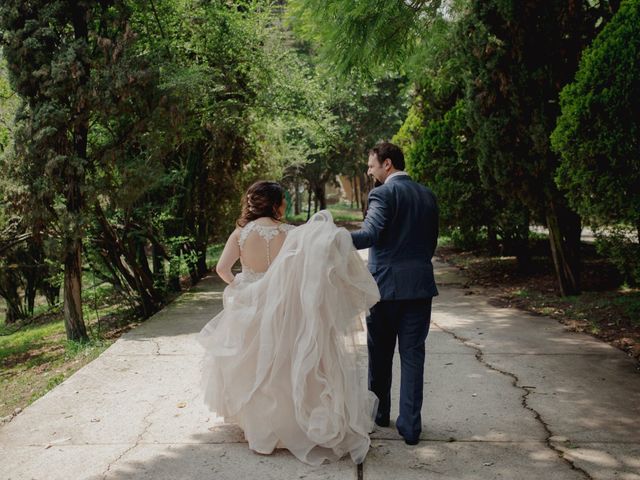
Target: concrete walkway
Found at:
x=507, y=396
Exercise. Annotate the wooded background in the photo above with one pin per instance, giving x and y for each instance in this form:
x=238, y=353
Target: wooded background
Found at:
x=130, y=129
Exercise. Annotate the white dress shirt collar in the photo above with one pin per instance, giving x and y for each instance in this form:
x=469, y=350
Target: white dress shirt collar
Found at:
x=395, y=174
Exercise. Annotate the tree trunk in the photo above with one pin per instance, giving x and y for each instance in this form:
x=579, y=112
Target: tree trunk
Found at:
x=72, y=285
x=202, y=233
x=34, y=273
x=113, y=279
x=150, y=299
x=521, y=246
x=157, y=254
x=50, y=292
x=364, y=185
x=492, y=241
x=9, y=291
x=309, y=203
x=297, y=200
x=10, y=316
x=135, y=267
x=73, y=320
x=138, y=266
x=352, y=179
x=203, y=269
x=565, y=229
x=143, y=260
x=14, y=310
x=320, y=193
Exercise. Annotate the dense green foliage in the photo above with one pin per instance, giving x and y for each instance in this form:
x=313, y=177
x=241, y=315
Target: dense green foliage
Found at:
x=135, y=126
x=350, y=32
x=597, y=136
x=521, y=54
x=487, y=78
x=129, y=129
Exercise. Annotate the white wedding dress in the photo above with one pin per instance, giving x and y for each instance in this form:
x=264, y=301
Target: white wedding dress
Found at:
x=280, y=358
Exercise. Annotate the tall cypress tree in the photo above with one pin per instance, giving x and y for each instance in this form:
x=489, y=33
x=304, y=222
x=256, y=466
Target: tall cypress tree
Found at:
x=50, y=48
x=523, y=53
x=597, y=137
x=517, y=56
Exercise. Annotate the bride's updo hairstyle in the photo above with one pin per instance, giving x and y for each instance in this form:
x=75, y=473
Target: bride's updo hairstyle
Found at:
x=263, y=199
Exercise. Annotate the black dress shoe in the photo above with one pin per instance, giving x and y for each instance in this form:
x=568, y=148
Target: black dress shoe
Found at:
x=411, y=441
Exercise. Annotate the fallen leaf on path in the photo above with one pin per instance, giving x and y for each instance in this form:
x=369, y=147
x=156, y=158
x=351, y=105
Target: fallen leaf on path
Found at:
x=181, y=404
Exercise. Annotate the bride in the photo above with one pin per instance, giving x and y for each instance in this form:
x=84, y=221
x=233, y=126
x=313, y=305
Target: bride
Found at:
x=280, y=358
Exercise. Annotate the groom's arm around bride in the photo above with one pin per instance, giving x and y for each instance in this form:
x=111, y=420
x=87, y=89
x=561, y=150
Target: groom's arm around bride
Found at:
x=401, y=230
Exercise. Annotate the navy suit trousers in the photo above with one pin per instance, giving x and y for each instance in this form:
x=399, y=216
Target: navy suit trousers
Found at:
x=407, y=321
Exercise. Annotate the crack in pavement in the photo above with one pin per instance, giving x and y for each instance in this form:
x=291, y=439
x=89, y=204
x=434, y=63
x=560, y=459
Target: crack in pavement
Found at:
x=156, y=343
x=145, y=420
x=137, y=442
x=479, y=355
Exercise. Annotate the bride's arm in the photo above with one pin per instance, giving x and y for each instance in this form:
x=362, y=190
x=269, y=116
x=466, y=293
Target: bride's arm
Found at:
x=229, y=257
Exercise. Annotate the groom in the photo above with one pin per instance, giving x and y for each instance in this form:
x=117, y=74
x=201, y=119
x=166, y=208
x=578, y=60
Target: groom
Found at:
x=401, y=230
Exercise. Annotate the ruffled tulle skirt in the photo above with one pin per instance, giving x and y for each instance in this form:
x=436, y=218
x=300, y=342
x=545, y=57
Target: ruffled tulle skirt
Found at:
x=281, y=358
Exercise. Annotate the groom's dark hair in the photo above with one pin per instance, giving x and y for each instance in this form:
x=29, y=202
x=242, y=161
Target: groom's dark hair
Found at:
x=384, y=150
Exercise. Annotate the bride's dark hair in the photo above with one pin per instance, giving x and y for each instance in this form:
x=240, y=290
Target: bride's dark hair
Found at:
x=261, y=200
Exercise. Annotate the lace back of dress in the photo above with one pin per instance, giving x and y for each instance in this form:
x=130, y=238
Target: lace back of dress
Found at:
x=259, y=244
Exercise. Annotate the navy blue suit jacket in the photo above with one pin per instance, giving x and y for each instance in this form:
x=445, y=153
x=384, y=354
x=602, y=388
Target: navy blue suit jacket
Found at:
x=401, y=230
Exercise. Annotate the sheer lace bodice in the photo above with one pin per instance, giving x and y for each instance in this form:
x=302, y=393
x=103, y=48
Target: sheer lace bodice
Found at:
x=259, y=244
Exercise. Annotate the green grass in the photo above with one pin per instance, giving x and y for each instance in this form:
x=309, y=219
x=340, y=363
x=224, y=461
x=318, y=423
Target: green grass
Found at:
x=41, y=369
x=539, y=236
x=445, y=241
x=341, y=212
x=630, y=303
x=523, y=293
x=36, y=358
x=28, y=338
x=213, y=253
